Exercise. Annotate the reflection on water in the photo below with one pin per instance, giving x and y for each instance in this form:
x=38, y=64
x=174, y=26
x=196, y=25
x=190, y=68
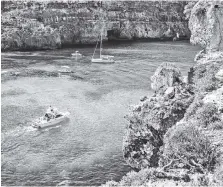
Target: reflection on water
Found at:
x=87, y=149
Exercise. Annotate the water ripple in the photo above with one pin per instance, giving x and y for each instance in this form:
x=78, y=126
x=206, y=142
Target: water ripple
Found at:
x=87, y=149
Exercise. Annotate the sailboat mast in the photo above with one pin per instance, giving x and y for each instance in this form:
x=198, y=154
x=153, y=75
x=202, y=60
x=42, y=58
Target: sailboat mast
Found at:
x=101, y=42
x=95, y=49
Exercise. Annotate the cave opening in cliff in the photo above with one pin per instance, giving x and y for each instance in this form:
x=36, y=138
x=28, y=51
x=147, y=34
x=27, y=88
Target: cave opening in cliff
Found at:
x=113, y=34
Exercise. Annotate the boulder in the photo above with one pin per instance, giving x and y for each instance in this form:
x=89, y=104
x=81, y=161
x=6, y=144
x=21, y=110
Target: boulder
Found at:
x=166, y=75
x=170, y=92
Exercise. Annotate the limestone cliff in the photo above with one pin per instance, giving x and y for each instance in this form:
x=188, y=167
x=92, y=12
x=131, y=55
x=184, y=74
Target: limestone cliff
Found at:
x=206, y=25
x=176, y=134
x=81, y=22
x=150, y=120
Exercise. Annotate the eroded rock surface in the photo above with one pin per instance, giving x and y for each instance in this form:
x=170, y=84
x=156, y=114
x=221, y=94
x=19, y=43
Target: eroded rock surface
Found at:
x=165, y=75
x=149, y=121
x=206, y=25
x=180, y=127
x=81, y=22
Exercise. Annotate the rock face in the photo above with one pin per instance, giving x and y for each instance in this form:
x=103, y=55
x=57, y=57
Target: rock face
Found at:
x=215, y=97
x=165, y=75
x=181, y=125
x=150, y=120
x=179, y=129
x=206, y=25
x=38, y=37
x=219, y=75
x=81, y=22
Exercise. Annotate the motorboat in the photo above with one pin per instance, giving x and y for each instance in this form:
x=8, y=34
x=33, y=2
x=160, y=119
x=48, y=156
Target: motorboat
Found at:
x=43, y=122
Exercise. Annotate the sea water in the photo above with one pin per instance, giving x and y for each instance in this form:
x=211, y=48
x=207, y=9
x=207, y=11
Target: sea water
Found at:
x=87, y=148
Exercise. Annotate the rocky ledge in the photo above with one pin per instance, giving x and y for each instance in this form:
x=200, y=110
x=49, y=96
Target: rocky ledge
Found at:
x=174, y=137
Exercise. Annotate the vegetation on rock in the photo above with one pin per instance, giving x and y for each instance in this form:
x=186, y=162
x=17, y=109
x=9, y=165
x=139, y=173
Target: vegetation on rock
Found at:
x=204, y=75
x=185, y=146
x=175, y=137
x=151, y=119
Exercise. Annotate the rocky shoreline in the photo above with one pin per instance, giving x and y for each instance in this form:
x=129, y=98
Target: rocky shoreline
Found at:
x=33, y=25
x=174, y=137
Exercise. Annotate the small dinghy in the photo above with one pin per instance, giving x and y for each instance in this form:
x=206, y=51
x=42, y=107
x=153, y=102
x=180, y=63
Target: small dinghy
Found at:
x=65, y=69
x=43, y=122
x=76, y=54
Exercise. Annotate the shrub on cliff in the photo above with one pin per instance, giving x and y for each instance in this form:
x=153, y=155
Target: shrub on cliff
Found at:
x=151, y=119
x=219, y=173
x=203, y=114
x=206, y=115
x=204, y=76
x=197, y=103
x=186, y=146
x=208, y=179
x=135, y=178
x=138, y=178
x=152, y=177
x=149, y=122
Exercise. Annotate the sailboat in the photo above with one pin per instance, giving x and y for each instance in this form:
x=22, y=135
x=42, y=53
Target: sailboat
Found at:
x=104, y=59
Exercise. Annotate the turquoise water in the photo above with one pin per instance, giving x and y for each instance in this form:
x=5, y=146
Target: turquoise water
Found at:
x=86, y=149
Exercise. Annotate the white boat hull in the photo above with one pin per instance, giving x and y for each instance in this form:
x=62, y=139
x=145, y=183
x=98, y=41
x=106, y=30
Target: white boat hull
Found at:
x=52, y=122
x=102, y=61
x=65, y=71
x=76, y=55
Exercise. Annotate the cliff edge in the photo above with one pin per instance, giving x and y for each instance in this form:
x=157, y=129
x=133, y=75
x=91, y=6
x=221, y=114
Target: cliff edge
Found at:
x=174, y=137
x=30, y=25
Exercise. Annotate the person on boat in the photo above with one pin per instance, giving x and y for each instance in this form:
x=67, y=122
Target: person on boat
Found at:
x=50, y=113
x=55, y=112
x=49, y=110
x=46, y=117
